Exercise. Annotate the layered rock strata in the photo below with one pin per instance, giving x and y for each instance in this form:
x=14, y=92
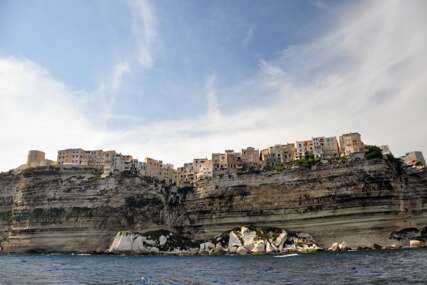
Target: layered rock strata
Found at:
x=75, y=209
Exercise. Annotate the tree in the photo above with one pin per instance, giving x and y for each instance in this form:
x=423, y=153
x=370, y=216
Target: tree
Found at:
x=308, y=160
x=373, y=152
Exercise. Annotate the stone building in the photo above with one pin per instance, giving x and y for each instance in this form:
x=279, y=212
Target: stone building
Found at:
x=37, y=158
x=205, y=170
x=234, y=160
x=198, y=164
x=325, y=147
x=351, y=143
x=168, y=174
x=186, y=175
x=303, y=148
x=265, y=154
x=72, y=156
x=153, y=167
x=108, y=161
x=282, y=153
x=250, y=156
x=414, y=158
x=219, y=162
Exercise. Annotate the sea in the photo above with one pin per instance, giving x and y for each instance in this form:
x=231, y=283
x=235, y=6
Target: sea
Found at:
x=359, y=267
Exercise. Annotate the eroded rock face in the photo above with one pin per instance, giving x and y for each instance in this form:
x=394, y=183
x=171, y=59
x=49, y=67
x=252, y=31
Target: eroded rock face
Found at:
x=54, y=209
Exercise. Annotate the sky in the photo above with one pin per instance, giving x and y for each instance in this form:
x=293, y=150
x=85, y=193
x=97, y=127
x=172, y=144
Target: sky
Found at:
x=175, y=80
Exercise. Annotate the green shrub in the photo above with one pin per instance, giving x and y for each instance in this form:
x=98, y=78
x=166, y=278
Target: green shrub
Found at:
x=373, y=152
x=308, y=160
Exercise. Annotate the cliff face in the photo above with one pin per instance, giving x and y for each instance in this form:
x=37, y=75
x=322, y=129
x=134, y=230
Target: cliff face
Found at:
x=75, y=210
x=51, y=209
x=360, y=203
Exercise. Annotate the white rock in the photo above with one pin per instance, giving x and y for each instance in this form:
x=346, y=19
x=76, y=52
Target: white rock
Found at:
x=242, y=250
x=343, y=246
x=162, y=240
x=307, y=248
x=270, y=248
x=289, y=248
x=280, y=240
x=234, y=242
x=259, y=247
x=334, y=247
x=206, y=247
x=154, y=250
x=248, y=238
x=128, y=242
x=415, y=243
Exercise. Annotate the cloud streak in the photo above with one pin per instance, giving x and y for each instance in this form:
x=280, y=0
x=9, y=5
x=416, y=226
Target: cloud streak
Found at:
x=144, y=27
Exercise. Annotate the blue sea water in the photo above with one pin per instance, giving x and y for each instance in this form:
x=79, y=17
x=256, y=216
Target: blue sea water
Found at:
x=393, y=267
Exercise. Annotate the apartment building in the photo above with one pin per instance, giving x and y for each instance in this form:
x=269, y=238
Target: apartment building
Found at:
x=186, y=175
x=234, y=159
x=414, y=158
x=219, y=162
x=250, y=156
x=303, y=148
x=351, y=143
x=282, y=153
x=168, y=174
x=325, y=147
x=205, y=169
x=153, y=167
x=72, y=156
x=265, y=154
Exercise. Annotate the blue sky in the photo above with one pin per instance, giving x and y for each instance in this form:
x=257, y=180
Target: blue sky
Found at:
x=79, y=41
x=178, y=79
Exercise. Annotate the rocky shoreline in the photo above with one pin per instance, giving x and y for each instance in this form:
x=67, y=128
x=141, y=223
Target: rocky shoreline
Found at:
x=247, y=240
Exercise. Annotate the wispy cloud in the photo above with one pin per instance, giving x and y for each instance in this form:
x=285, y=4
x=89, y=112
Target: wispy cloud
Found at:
x=144, y=27
x=249, y=35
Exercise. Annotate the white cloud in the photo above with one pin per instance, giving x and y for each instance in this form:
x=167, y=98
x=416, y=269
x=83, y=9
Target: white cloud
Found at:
x=144, y=26
x=249, y=36
x=37, y=111
x=367, y=74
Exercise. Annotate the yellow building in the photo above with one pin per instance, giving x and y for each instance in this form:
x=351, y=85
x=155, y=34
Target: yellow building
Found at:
x=153, y=167
x=303, y=148
x=251, y=156
x=414, y=158
x=168, y=174
x=72, y=156
x=325, y=147
x=351, y=143
x=219, y=162
x=35, y=157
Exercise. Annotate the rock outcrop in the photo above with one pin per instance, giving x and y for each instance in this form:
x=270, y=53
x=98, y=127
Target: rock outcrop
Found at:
x=361, y=203
x=156, y=242
x=261, y=240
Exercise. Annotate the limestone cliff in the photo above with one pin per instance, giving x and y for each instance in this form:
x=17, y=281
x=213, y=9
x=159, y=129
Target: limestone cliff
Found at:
x=57, y=209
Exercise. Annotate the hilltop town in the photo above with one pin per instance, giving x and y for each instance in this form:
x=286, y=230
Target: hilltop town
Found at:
x=277, y=157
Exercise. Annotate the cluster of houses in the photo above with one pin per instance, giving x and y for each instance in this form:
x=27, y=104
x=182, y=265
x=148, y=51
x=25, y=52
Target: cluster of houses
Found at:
x=323, y=148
